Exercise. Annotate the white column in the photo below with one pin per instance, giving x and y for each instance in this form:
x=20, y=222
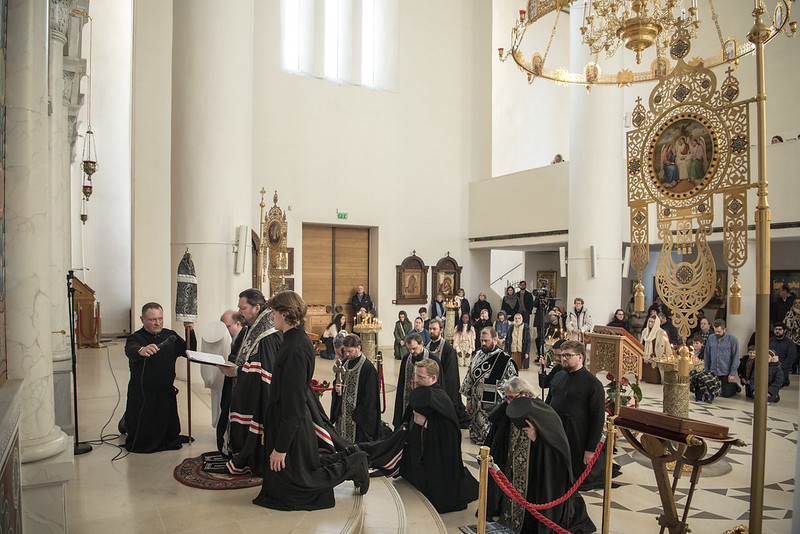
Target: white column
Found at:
x=28, y=229
x=59, y=218
x=212, y=189
x=596, y=186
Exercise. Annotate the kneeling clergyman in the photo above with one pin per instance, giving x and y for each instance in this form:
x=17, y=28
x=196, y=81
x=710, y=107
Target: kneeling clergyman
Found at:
x=529, y=445
x=355, y=407
x=432, y=455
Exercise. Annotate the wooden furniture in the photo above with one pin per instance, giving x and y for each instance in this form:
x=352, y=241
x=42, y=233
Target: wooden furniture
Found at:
x=665, y=438
x=616, y=351
x=87, y=327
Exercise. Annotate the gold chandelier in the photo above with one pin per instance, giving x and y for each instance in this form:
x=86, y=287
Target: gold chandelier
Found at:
x=638, y=24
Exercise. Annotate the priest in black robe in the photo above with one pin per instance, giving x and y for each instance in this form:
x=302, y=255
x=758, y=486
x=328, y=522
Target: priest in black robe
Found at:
x=251, y=387
x=432, y=455
x=151, y=413
x=536, y=462
x=489, y=368
x=578, y=398
x=237, y=329
x=405, y=379
x=296, y=479
x=451, y=381
x=355, y=406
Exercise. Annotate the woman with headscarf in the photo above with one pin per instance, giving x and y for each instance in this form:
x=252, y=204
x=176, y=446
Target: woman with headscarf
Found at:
x=401, y=329
x=510, y=302
x=656, y=345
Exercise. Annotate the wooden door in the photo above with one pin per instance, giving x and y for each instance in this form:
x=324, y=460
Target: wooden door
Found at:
x=335, y=262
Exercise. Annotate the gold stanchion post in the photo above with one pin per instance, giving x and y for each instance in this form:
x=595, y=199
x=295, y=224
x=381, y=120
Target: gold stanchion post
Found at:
x=759, y=35
x=483, y=488
x=609, y=469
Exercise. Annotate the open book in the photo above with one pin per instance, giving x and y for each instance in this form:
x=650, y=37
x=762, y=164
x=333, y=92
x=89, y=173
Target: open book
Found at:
x=208, y=358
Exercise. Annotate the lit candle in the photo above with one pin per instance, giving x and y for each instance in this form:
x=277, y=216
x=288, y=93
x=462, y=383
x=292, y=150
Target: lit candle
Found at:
x=522, y=15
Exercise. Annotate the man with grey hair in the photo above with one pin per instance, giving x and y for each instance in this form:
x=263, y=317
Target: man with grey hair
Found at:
x=490, y=367
x=528, y=444
x=235, y=325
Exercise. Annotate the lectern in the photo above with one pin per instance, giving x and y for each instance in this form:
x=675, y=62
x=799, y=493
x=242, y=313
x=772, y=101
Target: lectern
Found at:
x=87, y=329
x=616, y=351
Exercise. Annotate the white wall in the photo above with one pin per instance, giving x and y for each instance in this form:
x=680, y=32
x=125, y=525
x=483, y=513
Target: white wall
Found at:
x=152, y=270
x=394, y=160
x=102, y=245
x=530, y=123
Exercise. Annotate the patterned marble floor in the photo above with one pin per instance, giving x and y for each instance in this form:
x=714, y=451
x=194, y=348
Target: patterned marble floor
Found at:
x=138, y=494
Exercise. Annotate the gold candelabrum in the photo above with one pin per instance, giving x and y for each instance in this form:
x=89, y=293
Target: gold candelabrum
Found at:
x=368, y=320
x=450, y=322
x=675, y=371
x=367, y=328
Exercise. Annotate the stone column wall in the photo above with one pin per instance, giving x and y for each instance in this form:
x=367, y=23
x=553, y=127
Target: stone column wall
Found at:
x=596, y=172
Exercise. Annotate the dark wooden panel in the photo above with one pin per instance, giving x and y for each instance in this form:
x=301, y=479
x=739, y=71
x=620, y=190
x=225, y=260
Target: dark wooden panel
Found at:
x=317, y=261
x=352, y=264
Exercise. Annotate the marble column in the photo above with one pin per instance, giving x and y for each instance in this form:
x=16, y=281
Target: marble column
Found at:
x=596, y=186
x=212, y=190
x=28, y=229
x=59, y=218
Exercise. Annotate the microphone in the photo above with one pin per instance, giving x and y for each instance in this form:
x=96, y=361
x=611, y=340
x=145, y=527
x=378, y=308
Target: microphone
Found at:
x=170, y=339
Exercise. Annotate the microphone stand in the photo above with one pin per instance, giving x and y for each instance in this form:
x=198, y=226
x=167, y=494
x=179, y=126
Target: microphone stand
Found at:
x=80, y=447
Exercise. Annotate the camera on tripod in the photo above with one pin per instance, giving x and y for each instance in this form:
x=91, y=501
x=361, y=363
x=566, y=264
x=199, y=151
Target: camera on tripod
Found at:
x=542, y=292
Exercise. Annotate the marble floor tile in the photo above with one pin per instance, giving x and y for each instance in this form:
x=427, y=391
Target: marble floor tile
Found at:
x=138, y=493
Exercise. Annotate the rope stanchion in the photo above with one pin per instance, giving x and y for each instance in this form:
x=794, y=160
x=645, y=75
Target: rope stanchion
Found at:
x=80, y=325
x=383, y=390
x=504, y=484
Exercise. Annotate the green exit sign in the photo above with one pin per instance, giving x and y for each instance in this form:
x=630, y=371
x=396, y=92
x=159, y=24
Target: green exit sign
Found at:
x=341, y=215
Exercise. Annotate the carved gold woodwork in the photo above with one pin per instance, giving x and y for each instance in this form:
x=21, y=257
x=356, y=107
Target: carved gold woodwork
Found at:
x=273, y=246
x=690, y=144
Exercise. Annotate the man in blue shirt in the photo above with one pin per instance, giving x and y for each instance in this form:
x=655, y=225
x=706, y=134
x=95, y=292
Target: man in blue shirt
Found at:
x=721, y=355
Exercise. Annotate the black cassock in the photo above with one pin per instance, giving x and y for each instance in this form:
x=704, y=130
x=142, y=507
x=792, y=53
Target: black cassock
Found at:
x=545, y=472
x=579, y=400
x=250, y=397
x=449, y=379
x=367, y=411
x=432, y=454
x=406, y=376
x=225, y=397
x=304, y=484
x=151, y=414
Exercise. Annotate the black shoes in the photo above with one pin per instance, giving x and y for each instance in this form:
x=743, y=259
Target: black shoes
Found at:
x=361, y=477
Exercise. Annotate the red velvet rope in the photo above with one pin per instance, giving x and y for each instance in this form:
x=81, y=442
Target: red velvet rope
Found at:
x=80, y=326
x=513, y=494
x=383, y=389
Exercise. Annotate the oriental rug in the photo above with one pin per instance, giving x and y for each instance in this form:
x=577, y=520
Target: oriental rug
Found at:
x=204, y=472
